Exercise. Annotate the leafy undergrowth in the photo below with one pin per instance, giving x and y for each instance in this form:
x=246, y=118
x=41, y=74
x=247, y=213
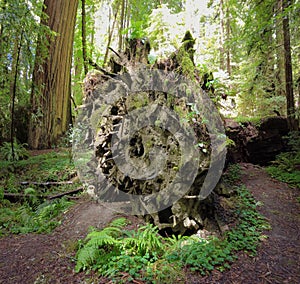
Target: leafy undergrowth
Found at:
x=286, y=167
x=124, y=255
x=52, y=166
x=22, y=218
x=30, y=211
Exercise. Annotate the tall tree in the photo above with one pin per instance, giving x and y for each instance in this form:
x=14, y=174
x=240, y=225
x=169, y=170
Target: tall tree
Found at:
x=280, y=74
x=290, y=103
x=222, y=36
x=50, y=98
x=122, y=24
x=13, y=88
x=228, y=55
x=19, y=31
x=111, y=31
x=83, y=35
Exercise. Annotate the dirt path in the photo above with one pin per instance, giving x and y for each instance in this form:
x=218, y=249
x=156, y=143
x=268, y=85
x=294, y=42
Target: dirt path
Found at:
x=50, y=258
x=34, y=258
x=278, y=259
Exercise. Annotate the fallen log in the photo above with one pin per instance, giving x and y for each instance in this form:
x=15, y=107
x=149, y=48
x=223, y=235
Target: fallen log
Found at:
x=79, y=189
x=47, y=183
x=257, y=143
x=15, y=197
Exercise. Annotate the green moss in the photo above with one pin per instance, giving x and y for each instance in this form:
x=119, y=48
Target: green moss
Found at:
x=96, y=118
x=137, y=100
x=185, y=63
x=185, y=56
x=254, y=120
x=170, y=100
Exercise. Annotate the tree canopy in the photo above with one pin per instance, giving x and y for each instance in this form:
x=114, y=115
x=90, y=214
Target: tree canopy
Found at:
x=251, y=49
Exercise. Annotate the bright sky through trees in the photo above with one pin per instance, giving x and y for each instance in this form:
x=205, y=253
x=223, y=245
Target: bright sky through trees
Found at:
x=178, y=23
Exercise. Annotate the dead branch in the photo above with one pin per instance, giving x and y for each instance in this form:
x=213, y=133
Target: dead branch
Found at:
x=79, y=189
x=97, y=67
x=48, y=183
x=19, y=196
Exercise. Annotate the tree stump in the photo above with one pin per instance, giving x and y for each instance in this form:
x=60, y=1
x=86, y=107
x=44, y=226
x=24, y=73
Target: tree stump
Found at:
x=149, y=144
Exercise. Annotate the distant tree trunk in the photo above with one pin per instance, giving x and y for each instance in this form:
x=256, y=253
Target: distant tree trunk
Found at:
x=110, y=34
x=83, y=35
x=280, y=74
x=122, y=22
x=288, y=69
x=222, y=36
x=13, y=88
x=51, y=92
x=127, y=17
x=92, y=32
x=298, y=85
x=269, y=71
x=228, y=61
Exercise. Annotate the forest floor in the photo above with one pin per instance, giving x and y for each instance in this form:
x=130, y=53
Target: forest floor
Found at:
x=49, y=258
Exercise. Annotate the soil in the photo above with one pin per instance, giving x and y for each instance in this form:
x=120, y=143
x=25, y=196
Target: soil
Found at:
x=49, y=258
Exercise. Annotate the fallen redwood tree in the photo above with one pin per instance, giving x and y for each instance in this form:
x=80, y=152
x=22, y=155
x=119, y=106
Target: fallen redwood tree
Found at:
x=258, y=143
x=148, y=140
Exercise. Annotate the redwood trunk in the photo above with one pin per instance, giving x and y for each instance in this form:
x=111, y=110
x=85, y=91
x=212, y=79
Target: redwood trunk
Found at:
x=50, y=98
x=288, y=70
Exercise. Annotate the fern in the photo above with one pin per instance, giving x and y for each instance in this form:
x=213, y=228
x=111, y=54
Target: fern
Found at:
x=150, y=239
x=145, y=241
x=97, y=240
x=86, y=257
x=139, y=254
x=19, y=151
x=119, y=223
x=102, y=238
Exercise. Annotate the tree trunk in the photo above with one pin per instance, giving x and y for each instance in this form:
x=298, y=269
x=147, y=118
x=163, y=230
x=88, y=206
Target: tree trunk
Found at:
x=13, y=88
x=122, y=22
x=292, y=123
x=110, y=34
x=83, y=35
x=127, y=20
x=51, y=92
x=222, y=32
x=228, y=61
x=280, y=74
x=93, y=30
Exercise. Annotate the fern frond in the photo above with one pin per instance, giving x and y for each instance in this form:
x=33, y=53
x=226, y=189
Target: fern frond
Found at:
x=145, y=241
x=119, y=223
x=150, y=239
x=100, y=239
x=130, y=244
x=109, y=231
x=90, y=252
x=86, y=256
